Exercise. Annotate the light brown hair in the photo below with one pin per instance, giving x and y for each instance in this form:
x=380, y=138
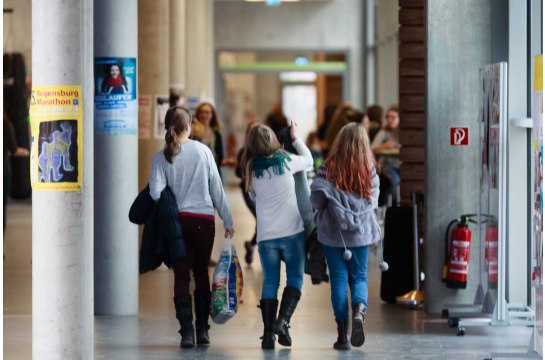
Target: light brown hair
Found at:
x=249, y=127
x=261, y=141
x=339, y=120
x=215, y=122
x=177, y=120
x=351, y=164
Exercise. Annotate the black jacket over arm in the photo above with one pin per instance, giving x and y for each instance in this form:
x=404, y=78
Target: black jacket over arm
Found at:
x=162, y=240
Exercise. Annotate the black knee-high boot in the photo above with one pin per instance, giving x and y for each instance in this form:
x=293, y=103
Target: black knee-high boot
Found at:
x=202, y=312
x=184, y=314
x=290, y=298
x=268, y=313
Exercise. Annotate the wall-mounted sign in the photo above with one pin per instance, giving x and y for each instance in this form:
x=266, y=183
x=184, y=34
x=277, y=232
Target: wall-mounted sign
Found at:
x=56, y=121
x=459, y=136
x=116, y=106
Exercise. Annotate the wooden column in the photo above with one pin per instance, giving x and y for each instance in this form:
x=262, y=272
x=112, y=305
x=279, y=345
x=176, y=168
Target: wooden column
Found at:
x=412, y=105
x=412, y=92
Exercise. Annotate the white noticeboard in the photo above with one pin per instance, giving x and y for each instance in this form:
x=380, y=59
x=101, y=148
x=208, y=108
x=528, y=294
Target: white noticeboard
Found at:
x=145, y=107
x=162, y=104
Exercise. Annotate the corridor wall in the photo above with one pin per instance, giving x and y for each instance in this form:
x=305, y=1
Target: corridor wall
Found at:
x=301, y=26
x=451, y=174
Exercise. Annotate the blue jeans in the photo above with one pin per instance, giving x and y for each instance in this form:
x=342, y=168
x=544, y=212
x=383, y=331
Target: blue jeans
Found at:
x=343, y=273
x=292, y=250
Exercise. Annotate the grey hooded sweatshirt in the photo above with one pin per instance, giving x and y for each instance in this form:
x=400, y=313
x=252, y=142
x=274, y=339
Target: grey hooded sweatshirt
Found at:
x=338, y=211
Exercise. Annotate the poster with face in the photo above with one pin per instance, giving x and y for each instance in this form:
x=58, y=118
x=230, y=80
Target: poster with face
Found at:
x=116, y=103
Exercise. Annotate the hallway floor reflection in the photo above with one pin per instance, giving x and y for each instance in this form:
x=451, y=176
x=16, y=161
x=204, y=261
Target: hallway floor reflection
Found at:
x=391, y=332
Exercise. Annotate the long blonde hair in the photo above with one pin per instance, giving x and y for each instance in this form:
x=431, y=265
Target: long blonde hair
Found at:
x=261, y=141
x=177, y=119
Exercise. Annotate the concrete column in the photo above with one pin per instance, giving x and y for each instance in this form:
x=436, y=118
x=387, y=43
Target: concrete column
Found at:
x=177, y=43
x=200, y=45
x=454, y=55
x=116, y=176
x=62, y=221
x=153, y=71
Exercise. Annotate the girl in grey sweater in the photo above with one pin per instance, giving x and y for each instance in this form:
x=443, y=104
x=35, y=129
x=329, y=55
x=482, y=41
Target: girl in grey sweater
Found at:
x=189, y=169
x=345, y=195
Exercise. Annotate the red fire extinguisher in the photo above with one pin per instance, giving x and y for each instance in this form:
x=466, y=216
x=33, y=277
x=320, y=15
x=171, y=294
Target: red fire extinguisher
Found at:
x=457, y=261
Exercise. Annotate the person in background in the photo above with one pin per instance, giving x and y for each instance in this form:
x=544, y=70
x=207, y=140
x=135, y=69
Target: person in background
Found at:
x=366, y=123
x=329, y=111
x=268, y=170
x=187, y=167
x=248, y=245
x=345, y=193
x=209, y=131
x=344, y=115
x=276, y=119
x=388, y=139
x=313, y=143
x=10, y=147
x=340, y=119
x=375, y=113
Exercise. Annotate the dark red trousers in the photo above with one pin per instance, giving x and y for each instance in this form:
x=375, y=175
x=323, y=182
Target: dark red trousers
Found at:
x=198, y=232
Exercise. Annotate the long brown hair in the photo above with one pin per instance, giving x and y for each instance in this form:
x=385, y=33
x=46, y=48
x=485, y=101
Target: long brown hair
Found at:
x=261, y=141
x=337, y=122
x=351, y=164
x=176, y=121
x=214, y=122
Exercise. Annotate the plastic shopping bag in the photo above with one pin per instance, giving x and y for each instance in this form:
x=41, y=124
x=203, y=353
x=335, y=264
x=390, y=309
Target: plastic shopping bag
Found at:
x=226, y=285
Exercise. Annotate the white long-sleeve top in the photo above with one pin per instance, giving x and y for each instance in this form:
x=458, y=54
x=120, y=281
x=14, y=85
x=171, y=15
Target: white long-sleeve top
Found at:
x=276, y=204
x=194, y=179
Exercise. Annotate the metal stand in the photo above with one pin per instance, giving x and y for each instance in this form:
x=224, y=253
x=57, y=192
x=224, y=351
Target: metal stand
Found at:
x=516, y=315
x=529, y=354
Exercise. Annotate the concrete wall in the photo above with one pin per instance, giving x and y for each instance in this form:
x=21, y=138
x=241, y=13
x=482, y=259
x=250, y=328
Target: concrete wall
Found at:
x=17, y=30
x=327, y=25
x=386, y=50
x=454, y=55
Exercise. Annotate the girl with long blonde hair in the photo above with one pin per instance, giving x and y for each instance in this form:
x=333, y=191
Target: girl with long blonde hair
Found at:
x=268, y=171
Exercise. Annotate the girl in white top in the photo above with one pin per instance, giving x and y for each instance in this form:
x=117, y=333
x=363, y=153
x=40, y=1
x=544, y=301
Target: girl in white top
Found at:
x=268, y=171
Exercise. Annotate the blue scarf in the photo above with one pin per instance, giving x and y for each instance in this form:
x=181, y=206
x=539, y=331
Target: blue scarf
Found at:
x=276, y=160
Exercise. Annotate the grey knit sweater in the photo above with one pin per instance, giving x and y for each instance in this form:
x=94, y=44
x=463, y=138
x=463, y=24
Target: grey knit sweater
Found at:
x=356, y=217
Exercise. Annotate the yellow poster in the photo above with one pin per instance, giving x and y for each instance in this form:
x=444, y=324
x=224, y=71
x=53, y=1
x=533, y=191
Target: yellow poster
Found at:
x=56, y=121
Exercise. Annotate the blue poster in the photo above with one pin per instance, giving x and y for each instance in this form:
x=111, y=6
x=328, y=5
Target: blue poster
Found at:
x=116, y=102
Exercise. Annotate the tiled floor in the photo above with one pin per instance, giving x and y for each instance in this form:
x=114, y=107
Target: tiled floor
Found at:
x=391, y=332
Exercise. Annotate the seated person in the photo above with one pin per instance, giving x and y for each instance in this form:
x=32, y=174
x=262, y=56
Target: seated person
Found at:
x=388, y=139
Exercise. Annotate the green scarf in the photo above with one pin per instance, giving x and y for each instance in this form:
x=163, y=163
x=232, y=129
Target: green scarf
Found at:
x=276, y=160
